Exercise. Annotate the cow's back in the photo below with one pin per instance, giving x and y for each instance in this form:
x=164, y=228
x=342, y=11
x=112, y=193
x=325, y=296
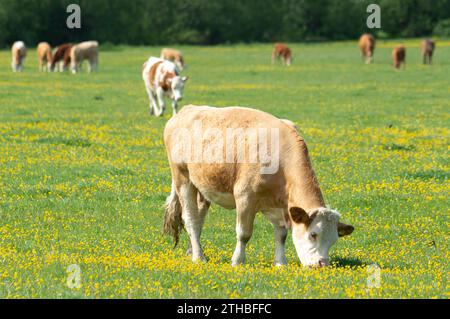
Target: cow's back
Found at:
x=85, y=49
x=218, y=180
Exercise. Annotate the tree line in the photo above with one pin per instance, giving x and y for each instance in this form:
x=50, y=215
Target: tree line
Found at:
x=153, y=22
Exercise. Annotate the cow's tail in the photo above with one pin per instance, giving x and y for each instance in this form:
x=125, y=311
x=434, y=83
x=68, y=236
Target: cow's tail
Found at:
x=173, y=223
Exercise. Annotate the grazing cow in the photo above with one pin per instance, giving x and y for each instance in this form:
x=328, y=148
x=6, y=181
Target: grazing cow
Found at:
x=174, y=56
x=44, y=53
x=281, y=50
x=84, y=51
x=399, y=55
x=367, y=47
x=19, y=52
x=61, y=56
x=161, y=78
x=221, y=155
x=428, y=46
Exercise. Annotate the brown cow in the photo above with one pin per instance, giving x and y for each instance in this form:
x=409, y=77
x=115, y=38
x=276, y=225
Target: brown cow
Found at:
x=399, y=55
x=61, y=55
x=367, y=47
x=428, y=46
x=44, y=53
x=254, y=162
x=281, y=50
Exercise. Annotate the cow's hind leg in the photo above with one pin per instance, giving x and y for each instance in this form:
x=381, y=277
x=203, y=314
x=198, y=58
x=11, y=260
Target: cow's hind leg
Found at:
x=203, y=207
x=192, y=219
x=245, y=216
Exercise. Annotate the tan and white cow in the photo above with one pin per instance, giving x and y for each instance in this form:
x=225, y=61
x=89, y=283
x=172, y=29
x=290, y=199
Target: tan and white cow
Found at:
x=84, y=51
x=254, y=162
x=44, y=54
x=161, y=79
x=367, y=47
x=174, y=56
x=19, y=52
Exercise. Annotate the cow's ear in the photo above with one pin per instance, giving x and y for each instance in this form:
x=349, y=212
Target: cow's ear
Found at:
x=299, y=216
x=344, y=229
x=185, y=78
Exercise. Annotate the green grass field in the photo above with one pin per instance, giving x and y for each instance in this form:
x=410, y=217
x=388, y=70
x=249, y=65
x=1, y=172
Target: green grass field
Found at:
x=84, y=175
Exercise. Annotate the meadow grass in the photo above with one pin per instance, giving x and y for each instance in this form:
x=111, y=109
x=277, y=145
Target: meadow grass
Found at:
x=84, y=175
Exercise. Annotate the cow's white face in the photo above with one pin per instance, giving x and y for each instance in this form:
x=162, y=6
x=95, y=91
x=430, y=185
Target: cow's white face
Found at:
x=177, y=86
x=314, y=234
x=179, y=65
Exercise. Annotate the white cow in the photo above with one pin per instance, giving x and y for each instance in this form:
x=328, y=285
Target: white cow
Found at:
x=19, y=52
x=161, y=78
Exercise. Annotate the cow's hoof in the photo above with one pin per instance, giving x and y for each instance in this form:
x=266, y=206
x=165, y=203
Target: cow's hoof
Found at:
x=199, y=260
x=236, y=263
x=278, y=264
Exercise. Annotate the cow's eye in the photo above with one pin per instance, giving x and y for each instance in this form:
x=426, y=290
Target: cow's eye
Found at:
x=313, y=236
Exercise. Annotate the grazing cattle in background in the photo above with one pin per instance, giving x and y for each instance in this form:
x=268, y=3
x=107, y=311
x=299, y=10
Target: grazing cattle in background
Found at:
x=174, y=56
x=367, y=47
x=399, y=55
x=162, y=79
x=84, y=51
x=61, y=56
x=287, y=193
x=428, y=47
x=19, y=52
x=281, y=50
x=44, y=53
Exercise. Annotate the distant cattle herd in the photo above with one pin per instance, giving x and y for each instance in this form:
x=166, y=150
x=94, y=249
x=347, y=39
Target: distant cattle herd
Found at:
x=62, y=56
x=162, y=76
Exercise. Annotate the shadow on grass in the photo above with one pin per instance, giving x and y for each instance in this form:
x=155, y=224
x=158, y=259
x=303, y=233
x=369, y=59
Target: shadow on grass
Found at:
x=347, y=262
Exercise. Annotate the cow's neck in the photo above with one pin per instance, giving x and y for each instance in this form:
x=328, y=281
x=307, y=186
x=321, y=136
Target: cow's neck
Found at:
x=303, y=187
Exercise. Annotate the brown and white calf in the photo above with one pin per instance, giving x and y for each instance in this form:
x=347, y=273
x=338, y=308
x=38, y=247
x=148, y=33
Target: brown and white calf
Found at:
x=19, y=52
x=254, y=162
x=281, y=50
x=367, y=47
x=61, y=56
x=44, y=54
x=161, y=79
x=84, y=51
x=428, y=47
x=174, y=56
x=399, y=56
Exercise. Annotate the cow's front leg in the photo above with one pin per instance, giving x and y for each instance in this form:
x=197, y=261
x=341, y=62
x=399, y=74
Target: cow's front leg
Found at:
x=174, y=107
x=246, y=212
x=162, y=105
x=280, y=241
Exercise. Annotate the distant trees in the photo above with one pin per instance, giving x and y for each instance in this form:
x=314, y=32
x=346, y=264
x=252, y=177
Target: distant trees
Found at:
x=216, y=21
